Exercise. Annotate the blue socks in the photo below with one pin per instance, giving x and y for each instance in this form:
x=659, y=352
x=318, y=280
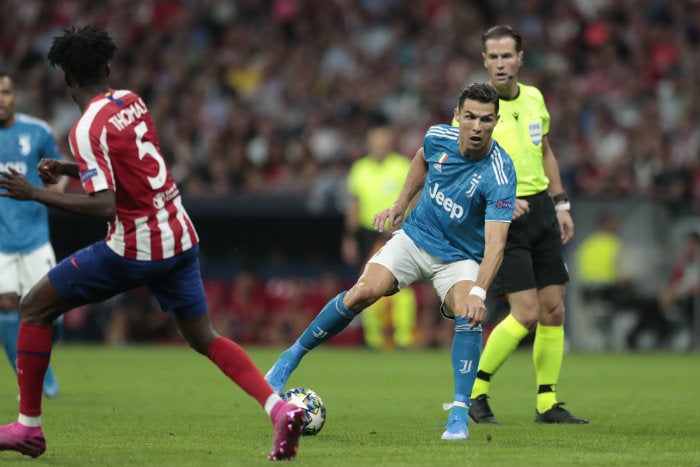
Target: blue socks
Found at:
x=333, y=318
x=466, y=352
x=9, y=328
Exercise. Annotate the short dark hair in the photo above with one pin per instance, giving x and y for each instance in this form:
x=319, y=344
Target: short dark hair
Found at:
x=83, y=54
x=500, y=31
x=480, y=92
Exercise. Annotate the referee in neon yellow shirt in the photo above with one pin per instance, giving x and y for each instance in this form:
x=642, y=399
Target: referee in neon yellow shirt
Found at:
x=533, y=273
x=374, y=182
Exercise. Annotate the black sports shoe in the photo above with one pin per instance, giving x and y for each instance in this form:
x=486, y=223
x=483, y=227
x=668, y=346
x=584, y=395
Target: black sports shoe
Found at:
x=558, y=414
x=480, y=412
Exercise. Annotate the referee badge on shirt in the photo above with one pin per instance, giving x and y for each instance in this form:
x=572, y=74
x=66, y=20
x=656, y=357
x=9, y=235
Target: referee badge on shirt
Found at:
x=535, y=133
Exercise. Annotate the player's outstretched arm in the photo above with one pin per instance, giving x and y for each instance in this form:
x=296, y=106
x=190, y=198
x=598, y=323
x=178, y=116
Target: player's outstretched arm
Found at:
x=100, y=205
x=495, y=244
x=495, y=234
x=411, y=186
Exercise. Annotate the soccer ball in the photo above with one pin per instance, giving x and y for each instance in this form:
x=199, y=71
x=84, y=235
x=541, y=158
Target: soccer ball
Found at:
x=315, y=411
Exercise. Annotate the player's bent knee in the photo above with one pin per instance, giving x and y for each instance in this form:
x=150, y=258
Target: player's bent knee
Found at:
x=362, y=295
x=33, y=311
x=198, y=332
x=527, y=318
x=200, y=344
x=552, y=316
x=42, y=304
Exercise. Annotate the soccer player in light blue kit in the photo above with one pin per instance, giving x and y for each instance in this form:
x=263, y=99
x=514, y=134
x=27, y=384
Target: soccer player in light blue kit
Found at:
x=25, y=249
x=455, y=238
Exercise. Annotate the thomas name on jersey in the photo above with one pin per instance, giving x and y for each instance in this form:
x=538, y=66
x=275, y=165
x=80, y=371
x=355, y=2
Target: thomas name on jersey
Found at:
x=128, y=115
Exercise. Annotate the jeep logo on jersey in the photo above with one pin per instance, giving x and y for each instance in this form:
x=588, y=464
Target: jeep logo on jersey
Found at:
x=535, y=133
x=25, y=144
x=447, y=204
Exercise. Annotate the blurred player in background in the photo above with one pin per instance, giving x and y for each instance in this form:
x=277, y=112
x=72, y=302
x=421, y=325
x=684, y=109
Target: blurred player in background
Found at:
x=454, y=238
x=26, y=253
x=600, y=275
x=533, y=274
x=678, y=299
x=150, y=241
x=374, y=182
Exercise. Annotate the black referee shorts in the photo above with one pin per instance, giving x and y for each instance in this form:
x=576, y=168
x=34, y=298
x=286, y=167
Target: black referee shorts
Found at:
x=533, y=256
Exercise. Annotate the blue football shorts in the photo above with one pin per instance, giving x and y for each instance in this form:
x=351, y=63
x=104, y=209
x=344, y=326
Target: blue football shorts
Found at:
x=97, y=273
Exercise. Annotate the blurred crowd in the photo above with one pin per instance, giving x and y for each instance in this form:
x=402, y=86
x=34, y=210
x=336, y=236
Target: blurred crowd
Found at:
x=275, y=96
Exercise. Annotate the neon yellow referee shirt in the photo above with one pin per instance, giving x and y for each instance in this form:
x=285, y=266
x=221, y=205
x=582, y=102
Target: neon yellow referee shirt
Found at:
x=376, y=185
x=596, y=258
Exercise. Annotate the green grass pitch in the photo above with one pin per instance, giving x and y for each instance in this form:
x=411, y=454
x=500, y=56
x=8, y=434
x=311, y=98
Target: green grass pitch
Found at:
x=167, y=406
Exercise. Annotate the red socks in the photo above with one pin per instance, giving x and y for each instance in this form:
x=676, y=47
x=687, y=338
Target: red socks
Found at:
x=237, y=365
x=33, y=354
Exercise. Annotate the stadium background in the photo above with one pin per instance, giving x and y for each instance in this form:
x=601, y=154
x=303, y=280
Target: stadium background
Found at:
x=262, y=106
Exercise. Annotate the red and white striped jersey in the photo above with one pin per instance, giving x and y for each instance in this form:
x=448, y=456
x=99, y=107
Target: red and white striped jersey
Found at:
x=116, y=147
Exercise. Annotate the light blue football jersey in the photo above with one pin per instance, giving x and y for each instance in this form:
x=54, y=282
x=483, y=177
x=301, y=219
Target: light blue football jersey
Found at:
x=24, y=224
x=460, y=195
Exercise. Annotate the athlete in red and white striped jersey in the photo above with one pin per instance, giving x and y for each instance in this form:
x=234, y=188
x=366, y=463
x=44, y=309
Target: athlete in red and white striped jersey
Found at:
x=115, y=144
x=151, y=242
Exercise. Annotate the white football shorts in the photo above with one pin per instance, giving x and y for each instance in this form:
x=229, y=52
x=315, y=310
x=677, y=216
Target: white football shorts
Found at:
x=20, y=271
x=410, y=263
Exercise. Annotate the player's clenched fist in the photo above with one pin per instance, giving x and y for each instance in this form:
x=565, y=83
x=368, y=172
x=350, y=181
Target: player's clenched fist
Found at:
x=49, y=171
